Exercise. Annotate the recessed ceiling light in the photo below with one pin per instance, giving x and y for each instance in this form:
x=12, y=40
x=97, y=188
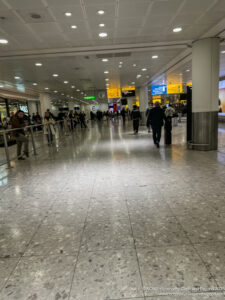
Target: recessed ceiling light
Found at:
x=187, y=70
x=106, y=72
x=38, y=64
x=68, y=14
x=155, y=56
x=107, y=79
x=17, y=77
x=1, y=86
x=35, y=83
x=55, y=91
x=74, y=26
x=82, y=93
x=223, y=52
x=133, y=82
x=139, y=75
x=55, y=75
x=105, y=59
x=71, y=97
x=78, y=90
x=103, y=34
x=120, y=66
x=46, y=88
x=134, y=65
x=144, y=69
x=177, y=29
x=101, y=12
x=73, y=86
x=107, y=83
x=62, y=94
x=101, y=25
x=3, y=41
x=66, y=81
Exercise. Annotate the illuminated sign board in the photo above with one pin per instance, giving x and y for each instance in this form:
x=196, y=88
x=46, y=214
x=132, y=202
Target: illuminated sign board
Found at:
x=222, y=84
x=174, y=88
x=113, y=93
x=130, y=93
x=89, y=98
x=159, y=90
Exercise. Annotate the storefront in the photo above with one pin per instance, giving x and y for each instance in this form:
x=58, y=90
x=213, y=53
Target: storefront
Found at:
x=8, y=106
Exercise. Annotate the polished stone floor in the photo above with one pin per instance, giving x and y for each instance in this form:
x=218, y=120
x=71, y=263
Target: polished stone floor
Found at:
x=107, y=216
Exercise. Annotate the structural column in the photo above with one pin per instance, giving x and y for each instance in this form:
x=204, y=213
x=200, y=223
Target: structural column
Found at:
x=71, y=105
x=205, y=77
x=45, y=103
x=143, y=100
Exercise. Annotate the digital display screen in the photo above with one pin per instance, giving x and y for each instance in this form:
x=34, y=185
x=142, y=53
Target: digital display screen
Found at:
x=159, y=90
x=130, y=93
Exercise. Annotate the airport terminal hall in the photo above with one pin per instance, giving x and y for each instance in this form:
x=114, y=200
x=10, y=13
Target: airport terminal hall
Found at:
x=112, y=149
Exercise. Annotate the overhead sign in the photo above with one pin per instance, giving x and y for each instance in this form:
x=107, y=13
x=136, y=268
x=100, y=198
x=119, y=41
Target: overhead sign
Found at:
x=113, y=93
x=222, y=84
x=130, y=93
x=89, y=98
x=159, y=90
x=174, y=88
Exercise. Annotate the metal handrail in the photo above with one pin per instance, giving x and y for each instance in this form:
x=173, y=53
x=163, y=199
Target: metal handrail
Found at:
x=31, y=127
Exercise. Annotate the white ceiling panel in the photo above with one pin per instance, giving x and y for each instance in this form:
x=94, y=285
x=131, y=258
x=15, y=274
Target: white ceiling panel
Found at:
x=163, y=8
x=59, y=13
x=2, y=5
x=8, y=16
x=193, y=6
x=26, y=14
x=132, y=8
x=127, y=23
x=14, y=29
x=62, y=3
x=25, y=4
x=185, y=19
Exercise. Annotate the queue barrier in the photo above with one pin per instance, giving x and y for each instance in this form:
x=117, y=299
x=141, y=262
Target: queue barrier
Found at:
x=29, y=129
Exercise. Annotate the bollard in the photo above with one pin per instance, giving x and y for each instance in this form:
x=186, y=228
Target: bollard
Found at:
x=6, y=150
x=32, y=140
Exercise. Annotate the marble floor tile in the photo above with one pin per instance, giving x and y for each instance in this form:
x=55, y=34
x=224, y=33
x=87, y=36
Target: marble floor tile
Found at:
x=14, y=240
x=106, y=275
x=107, y=235
x=40, y=278
x=214, y=257
x=158, y=232
x=190, y=297
x=204, y=228
x=172, y=267
x=56, y=239
x=7, y=265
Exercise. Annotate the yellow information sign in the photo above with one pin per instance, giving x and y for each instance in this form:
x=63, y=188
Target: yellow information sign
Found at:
x=128, y=88
x=113, y=93
x=174, y=88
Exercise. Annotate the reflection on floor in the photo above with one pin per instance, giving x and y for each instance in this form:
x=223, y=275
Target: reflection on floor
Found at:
x=108, y=216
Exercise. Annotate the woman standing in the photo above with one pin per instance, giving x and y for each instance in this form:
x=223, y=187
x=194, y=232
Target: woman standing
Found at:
x=49, y=129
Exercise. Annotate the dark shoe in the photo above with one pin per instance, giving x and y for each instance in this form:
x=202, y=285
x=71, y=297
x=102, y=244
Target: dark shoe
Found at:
x=27, y=154
x=21, y=158
x=157, y=144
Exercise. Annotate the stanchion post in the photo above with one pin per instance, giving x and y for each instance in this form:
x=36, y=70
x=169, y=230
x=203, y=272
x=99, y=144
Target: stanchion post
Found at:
x=6, y=150
x=32, y=140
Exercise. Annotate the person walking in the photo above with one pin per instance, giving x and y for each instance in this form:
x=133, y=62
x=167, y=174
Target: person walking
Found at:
x=83, y=120
x=155, y=118
x=49, y=129
x=123, y=114
x=136, y=117
x=169, y=113
x=18, y=121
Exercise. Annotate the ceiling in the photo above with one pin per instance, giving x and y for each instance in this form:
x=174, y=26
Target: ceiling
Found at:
x=39, y=31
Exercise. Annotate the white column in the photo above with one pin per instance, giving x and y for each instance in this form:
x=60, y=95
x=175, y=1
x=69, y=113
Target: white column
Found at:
x=45, y=102
x=205, y=68
x=32, y=107
x=143, y=100
x=130, y=102
x=71, y=105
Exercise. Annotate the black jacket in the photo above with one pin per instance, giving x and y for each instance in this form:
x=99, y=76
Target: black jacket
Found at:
x=135, y=115
x=156, y=116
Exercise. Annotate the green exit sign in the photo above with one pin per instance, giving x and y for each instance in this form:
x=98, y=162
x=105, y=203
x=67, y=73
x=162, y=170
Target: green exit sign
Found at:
x=89, y=98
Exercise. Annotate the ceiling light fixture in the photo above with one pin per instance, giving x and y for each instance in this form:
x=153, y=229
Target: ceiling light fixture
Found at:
x=55, y=75
x=38, y=64
x=144, y=69
x=78, y=90
x=120, y=66
x=72, y=86
x=1, y=86
x=3, y=41
x=46, y=88
x=155, y=56
x=106, y=72
x=101, y=12
x=223, y=52
x=177, y=29
x=103, y=34
x=74, y=26
x=139, y=76
x=68, y=14
x=35, y=83
x=133, y=82
x=55, y=91
x=107, y=79
x=101, y=25
x=66, y=81
x=187, y=70
x=17, y=77
x=134, y=65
